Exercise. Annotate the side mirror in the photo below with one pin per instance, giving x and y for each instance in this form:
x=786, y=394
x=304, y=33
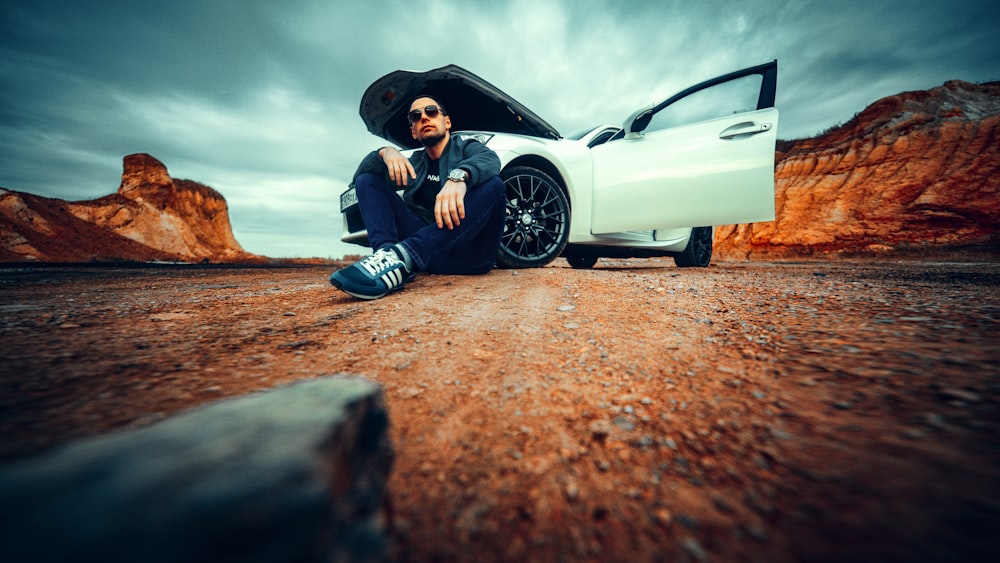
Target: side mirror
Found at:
x=637, y=122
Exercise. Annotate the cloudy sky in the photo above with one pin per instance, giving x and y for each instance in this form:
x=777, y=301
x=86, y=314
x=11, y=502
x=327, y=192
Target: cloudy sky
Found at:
x=259, y=99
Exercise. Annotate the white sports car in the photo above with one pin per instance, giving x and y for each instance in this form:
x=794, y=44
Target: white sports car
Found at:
x=652, y=187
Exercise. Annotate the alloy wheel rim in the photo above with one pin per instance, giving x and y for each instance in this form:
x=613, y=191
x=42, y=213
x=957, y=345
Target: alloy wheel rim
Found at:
x=703, y=245
x=535, y=217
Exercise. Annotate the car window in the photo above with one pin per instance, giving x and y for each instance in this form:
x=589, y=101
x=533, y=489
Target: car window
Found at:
x=604, y=137
x=732, y=97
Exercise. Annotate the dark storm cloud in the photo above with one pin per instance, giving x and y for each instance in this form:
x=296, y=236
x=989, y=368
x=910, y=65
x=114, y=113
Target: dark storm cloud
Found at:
x=220, y=49
x=259, y=98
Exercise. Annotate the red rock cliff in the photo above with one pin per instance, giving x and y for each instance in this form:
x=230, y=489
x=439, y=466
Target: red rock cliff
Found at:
x=918, y=170
x=151, y=217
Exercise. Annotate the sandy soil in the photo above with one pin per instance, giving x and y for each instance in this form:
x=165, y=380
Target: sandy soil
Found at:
x=634, y=412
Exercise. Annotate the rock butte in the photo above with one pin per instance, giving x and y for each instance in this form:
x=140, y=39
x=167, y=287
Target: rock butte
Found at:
x=151, y=217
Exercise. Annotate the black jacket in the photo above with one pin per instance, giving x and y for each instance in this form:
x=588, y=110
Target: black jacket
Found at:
x=461, y=152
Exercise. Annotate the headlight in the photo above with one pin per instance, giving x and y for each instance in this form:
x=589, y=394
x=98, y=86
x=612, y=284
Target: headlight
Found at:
x=481, y=137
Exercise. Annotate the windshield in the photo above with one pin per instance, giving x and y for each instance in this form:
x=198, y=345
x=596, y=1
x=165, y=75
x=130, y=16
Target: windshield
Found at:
x=580, y=134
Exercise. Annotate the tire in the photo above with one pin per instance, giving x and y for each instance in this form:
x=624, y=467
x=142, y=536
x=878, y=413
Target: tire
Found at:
x=536, y=226
x=581, y=262
x=698, y=252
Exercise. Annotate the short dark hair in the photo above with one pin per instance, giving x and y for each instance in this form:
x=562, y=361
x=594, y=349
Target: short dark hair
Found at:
x=438, y=102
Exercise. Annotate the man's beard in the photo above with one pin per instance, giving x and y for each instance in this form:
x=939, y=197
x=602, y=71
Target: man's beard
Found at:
x=431, y=140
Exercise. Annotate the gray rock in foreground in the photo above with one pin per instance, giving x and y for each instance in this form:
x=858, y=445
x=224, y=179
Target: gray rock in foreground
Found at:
x=291, y=474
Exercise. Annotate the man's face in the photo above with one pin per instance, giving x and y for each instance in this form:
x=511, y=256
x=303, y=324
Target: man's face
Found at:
x=429, y=130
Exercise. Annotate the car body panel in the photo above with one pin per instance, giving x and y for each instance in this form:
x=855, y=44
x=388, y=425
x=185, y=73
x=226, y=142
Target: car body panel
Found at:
x=666, y=178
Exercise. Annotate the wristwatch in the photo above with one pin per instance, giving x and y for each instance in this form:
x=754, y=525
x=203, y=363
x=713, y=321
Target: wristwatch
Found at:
x=457, y=175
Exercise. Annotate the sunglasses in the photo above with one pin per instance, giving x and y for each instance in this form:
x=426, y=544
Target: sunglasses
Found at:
x=430, y=111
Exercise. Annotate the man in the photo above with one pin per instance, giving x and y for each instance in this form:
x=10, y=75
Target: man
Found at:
x=449, y=219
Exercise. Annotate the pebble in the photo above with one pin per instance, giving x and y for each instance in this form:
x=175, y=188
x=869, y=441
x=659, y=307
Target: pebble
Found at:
x=756, y=502
x=644, y=442
x=755, y=532
x=600, y=429
x=409, y=392
x=623, y=423
x=761, y=463
x=689, y=522
x=781, y=434
x=934, y=420
x=663, y=517
x=722, y=503
x=960, y=394
x=572, y=491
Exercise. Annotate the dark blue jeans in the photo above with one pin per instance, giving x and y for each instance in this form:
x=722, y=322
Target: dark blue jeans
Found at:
x=470, y=248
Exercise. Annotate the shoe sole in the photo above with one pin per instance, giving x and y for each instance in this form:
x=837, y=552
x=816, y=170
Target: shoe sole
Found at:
x=337, y=284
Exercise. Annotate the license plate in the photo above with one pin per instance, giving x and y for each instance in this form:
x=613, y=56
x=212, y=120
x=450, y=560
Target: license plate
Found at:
x=348, y=200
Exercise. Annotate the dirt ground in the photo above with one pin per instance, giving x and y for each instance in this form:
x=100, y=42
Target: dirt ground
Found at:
x=772, y=411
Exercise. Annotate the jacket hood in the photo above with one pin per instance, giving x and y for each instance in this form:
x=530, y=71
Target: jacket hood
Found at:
x=472, y=103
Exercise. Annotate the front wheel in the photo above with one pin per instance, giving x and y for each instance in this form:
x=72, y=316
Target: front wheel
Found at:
x=536, y=226
x=698, y=252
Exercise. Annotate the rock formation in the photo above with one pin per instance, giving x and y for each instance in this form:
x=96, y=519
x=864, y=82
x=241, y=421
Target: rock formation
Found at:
x=151, y=217
x=295, y=473
x=915, y=171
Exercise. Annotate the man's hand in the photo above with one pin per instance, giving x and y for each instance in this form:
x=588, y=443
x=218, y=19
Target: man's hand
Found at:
x=449, y=207
x=400, y=169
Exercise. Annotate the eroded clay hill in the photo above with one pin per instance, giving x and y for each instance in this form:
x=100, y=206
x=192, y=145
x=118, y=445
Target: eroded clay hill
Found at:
x=913, y=171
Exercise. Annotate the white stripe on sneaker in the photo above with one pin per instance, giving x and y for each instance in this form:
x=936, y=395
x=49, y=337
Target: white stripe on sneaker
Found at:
x=393, y=278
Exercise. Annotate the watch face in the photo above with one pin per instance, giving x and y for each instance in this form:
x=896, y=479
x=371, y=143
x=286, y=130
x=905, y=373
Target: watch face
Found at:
x=456, y=175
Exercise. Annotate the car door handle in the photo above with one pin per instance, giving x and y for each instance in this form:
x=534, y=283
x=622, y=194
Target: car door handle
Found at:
x=744, y=129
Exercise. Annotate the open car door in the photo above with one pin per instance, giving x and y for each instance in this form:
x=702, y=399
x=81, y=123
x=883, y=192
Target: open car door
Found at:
x=703, y=157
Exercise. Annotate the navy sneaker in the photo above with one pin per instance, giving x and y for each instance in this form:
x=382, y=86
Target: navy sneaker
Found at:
x=375, y=276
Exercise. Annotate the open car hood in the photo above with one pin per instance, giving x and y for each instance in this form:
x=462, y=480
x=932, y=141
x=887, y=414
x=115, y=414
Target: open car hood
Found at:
x=472, y=103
